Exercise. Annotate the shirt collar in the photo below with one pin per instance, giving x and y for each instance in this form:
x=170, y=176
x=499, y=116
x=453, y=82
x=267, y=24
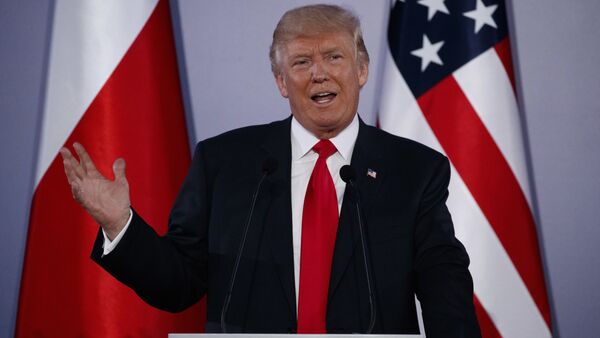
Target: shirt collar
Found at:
x=303, y=140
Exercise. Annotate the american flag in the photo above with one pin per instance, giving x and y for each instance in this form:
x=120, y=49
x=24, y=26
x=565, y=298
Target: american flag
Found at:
x=449, y=84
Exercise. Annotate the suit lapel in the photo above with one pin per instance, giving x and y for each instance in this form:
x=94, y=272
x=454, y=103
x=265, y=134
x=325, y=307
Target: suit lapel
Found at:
x=277, y=194
x=278, y=222
x=366, y=156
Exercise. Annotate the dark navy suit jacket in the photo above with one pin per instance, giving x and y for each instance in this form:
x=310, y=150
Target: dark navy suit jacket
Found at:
x=409, y=232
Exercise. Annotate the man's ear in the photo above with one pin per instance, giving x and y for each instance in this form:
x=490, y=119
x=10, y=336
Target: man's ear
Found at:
x=363, y=74
x=281, y=85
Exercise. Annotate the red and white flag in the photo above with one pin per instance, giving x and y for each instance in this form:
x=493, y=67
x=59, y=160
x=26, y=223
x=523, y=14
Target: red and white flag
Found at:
x=449, y=84
x=113, y=86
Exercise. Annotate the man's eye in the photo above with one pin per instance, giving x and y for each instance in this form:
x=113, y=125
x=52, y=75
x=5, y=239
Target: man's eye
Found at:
x=300, y=62
x=335, y=57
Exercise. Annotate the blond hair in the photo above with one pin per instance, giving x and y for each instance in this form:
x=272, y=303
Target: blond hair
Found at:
x=314, y=20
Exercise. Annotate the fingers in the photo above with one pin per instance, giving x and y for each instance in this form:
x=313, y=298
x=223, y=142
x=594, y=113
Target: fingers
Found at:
x=65, y=154
x=73, y=171
x=86, y=161
x=119, y=169
x=72, y=168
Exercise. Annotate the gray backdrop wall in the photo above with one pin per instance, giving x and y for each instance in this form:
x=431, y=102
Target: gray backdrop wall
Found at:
x=223, y=54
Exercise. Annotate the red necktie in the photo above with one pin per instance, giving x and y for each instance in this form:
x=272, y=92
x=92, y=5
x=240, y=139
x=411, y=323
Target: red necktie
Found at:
x=319, y=226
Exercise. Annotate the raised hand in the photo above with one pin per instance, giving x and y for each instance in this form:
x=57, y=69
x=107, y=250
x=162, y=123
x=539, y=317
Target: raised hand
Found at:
x=106, y=201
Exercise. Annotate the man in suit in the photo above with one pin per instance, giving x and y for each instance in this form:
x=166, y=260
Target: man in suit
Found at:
x=304, y=267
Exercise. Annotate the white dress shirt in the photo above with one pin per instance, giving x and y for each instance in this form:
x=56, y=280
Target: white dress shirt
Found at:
x=303, y=162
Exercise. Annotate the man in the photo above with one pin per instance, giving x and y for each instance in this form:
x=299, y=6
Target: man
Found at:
x=304, y=267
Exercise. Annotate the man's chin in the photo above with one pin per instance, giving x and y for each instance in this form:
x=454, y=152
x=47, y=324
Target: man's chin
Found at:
x=329, y=129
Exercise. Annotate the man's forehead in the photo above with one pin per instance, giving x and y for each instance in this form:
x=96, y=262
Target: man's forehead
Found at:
x=323, y=42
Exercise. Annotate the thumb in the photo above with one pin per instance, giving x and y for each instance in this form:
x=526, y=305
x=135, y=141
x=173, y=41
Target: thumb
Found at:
x=119, y=169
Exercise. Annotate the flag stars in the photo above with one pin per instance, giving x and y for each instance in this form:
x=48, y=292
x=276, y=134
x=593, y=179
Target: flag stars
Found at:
x=482, y=15
x=434, y=6
x=428, y=53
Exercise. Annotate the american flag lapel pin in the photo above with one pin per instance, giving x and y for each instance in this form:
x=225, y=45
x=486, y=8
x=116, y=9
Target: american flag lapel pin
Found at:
x=371, y=173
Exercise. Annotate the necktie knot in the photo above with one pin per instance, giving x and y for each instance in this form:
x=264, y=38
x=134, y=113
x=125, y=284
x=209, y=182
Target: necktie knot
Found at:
x=324, y=148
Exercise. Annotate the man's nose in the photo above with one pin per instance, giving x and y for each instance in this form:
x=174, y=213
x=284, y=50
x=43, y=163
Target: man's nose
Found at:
x=319, y=72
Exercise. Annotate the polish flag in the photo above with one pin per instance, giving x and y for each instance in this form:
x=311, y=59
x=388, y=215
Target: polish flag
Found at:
x=113, y=86
x=449, y=84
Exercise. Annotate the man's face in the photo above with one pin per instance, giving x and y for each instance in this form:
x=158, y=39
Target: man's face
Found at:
x=322, y=78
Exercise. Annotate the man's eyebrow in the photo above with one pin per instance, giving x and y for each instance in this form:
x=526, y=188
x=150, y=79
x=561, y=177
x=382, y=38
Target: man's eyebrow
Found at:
x=300, y=54
x=309, y=53
x=333, y=49
x=326, y=49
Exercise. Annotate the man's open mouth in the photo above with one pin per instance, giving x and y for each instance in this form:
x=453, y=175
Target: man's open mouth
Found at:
x=323, y=97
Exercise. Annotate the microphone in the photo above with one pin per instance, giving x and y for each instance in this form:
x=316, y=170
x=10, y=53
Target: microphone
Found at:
x=348, y=175
x=268, y=168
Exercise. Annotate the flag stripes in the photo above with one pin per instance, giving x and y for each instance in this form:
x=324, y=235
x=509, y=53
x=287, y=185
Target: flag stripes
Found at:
x=499, y=288
x=497, y=284
x=137, y=114
x=487, y=88
x=449, y=84
x=491, y=181
x=504, y=53
x=89, y=40
x=488, y=329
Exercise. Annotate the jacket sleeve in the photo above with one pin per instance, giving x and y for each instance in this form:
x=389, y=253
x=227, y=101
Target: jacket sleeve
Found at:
x=168, y=272
x=444, y=285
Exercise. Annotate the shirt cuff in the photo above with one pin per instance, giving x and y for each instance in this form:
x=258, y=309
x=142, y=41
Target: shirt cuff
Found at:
x=109, y=245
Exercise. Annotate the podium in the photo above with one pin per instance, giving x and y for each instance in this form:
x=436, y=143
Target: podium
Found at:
x=259, y=335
